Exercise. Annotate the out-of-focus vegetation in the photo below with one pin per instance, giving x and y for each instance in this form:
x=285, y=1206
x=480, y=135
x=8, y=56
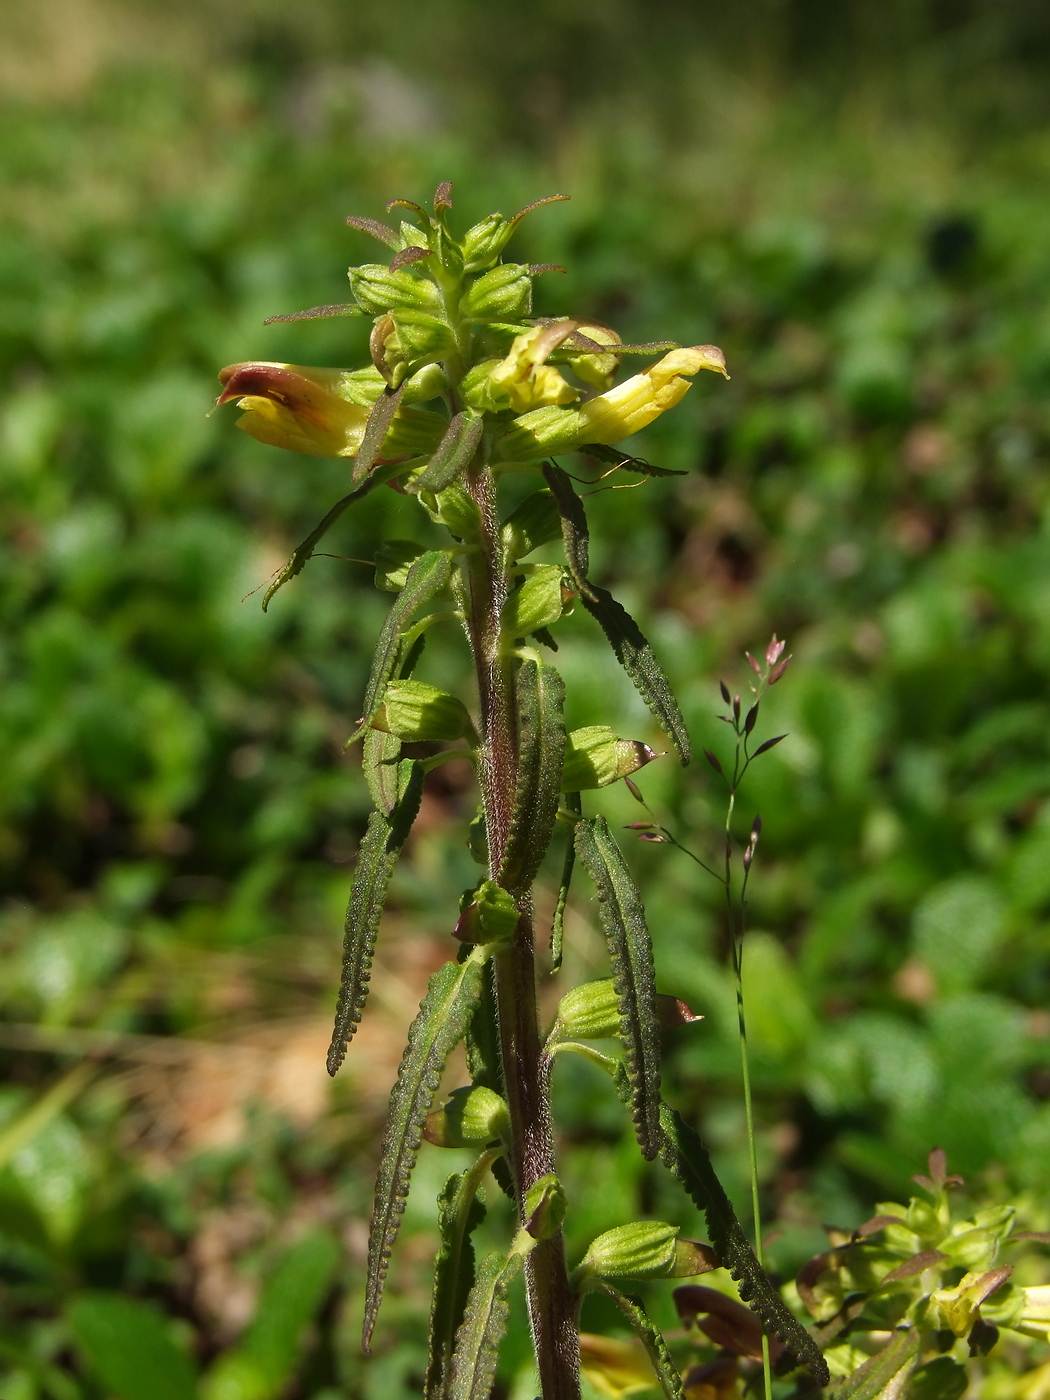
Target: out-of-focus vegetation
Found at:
x=852, y=202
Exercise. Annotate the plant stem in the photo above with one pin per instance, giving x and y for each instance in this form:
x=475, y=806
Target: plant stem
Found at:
x=525, y=1069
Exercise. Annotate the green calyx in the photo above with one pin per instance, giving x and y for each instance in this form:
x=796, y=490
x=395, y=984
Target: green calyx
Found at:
x=489, y=915
x=595, y=757
x=472, y=1117
x=414, y=711
x=647, y=1249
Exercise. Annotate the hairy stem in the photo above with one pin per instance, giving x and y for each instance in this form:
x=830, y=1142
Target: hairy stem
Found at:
x=525, y=1069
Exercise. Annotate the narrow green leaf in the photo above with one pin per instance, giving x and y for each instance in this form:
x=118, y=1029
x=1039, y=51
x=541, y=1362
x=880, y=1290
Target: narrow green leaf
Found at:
x=541, y=740
x=442, y=1021
x=626, y=638
x=603, y=453
x=453, y=454
x=484, y=1323
x=651, y=1338
x=376, y=429
x=869, y=1380
x=259, y=1367
x=427, y=576
x=375, y=864
x=634, y=976
x=302, y=553
x=572, y=802
x=460, y=1212
x=380, y=756
x=683, y=1151
x=316, y=313
x=128, y=1345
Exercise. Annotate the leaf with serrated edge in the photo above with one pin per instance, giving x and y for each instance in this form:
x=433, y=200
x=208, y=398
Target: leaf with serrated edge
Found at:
x=572, y=802
x=444, y=1015
x=683, y=1151
x=634, y=976
x=870, y=1380
x=651, y=1338
x=427, y=576
x=541, y=749
x=453, y=453
x=484, y=1324
x=459, y=1214
x=626, y=638
x=375, y=864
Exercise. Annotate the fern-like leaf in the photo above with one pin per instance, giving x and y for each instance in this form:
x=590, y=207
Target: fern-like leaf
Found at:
x=443, y=1018
x=683, y=1151
x=541, y=748
x=484, y=1323
x=651, y=1338
x=634, y=976
x=626, y=638
x=375, y=864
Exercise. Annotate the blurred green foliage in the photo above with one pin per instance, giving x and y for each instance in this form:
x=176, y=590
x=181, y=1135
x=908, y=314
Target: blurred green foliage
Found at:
x=177, y=817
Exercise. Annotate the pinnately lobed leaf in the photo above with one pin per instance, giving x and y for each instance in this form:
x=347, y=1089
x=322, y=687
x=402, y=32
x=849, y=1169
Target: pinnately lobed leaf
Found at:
x=478, y=1340
x=459, y=1214
x=427, y=576
x=375, y=864
x=541, y=731
x=442, y=1021
x=626, y=638
x=683, y=1151
x=651, y=1338
x=631, y=952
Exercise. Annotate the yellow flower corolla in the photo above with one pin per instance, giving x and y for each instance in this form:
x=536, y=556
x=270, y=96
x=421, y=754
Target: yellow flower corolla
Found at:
x=615, y=1368
x=609, y=417
x=308, y=409
x=523, y=381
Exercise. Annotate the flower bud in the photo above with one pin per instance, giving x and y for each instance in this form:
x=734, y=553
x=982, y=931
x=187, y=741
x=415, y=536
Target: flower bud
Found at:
x=591, y=1011
x=595, y=757
x=394, y=558
x=536, y=521
x=483, y=243
x=544, y=1207
x=413, y=711
x=504, y=294
x=376, y=289
x=535, y=603
x=472, y=1117
x=454, y=508
x=647, y=1249
x=489, y=916
x=422, y=337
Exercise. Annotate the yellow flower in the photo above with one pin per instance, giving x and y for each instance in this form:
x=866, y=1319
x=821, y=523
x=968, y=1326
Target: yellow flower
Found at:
x=321, y=412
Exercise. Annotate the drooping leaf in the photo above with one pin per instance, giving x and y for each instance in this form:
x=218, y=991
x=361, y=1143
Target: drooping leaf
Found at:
x=128, y=1345
x=602, y=452
x=651, y=1338
x=626, y=638
x=427, y=576
x=376, y=429
x=375, y=864
x=634, y=976
x=259, y=1367
x=541, y=750
x=683, y=1151
x=870, y=1380
x=484, y=1323
x=441, y=1023
x=453, y=453
x=303, y=552
x=572, y=802
x=460, y=1212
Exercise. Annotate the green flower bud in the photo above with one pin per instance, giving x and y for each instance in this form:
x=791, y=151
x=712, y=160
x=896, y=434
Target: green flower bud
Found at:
x=544, y=1207
x=483, y=243
x=647, y=1249
x=472, y=1117
x=490, y=915
x=413, y=711
x=376, y=289
x=536, y=521
x=454, y=508
x=536, y=602
x=422, y=336
x=595, y=757
x=592, y=1012
x=394, y=558
x=504, y=294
